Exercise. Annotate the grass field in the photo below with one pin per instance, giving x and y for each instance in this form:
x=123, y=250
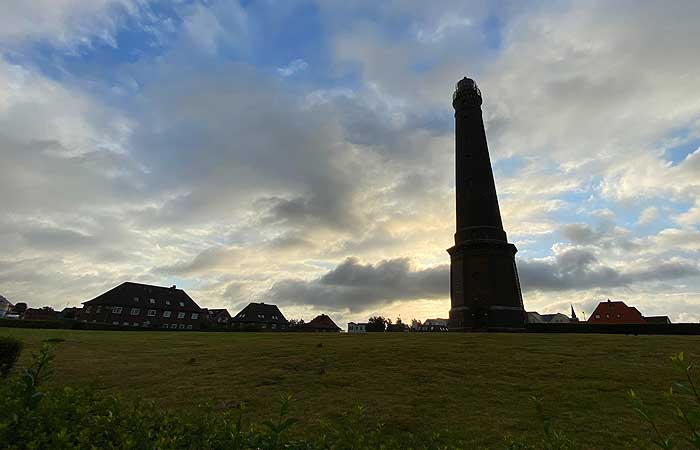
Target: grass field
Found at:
x=474, y=387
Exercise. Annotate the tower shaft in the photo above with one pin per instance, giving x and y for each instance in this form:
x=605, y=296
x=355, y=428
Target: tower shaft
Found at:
x=484, y=287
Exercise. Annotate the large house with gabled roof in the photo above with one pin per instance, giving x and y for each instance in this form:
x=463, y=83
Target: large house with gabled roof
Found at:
x=146, y=306
x=260, y=316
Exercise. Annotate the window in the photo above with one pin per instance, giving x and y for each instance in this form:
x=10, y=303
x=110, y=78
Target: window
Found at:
x=597, y=316
x=151, y=313
x=607, y=315
x=274, y=326
x=167, y=302
x=165, y=325
x=261, y=316
x=619, y=316
x=99, y=309
x=88, y=309
x=182, y=304
x=241, y=316
x=134, y=324
x=189, y=327
x=152, y=301
x=136, y=299
x=284, y=327
x=181, y=315
x=195, y=316
x=167, y=313
x=263, y=326
x=117, y=310
x=182, y=326
x=135, y=311
x=115, y=323
x=125, y=324
x=274, y=317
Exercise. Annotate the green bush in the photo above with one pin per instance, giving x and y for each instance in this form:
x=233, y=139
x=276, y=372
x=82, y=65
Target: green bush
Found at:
x=10, y=348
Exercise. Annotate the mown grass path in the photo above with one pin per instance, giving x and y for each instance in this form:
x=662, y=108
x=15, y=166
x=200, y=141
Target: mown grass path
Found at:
x=473, y=387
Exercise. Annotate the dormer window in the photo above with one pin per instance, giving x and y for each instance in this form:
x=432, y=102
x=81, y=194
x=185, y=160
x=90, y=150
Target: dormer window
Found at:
x=182, y=304
x=261, y=316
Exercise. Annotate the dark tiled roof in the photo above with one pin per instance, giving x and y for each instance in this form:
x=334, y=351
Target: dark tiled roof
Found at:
x=322, y=322
x=127, y=293
x=657, y=319
x=259, y=313
x=219, y=314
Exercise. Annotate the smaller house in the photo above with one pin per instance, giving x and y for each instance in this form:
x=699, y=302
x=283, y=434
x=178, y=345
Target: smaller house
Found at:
x=616, y=312
x=657, y=319
x=45, y=313
x=535, y=317
x=218, y=316
x=322, y=323
x=70, y=313
x=260, y=317
x=357, y=327
x=5, y=306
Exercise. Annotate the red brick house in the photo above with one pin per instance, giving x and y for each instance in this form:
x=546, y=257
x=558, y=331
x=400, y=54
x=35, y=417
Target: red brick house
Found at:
x=142, y=305
x=616, y=312
x=218, y=316
x=321, y=323
x=260, y=317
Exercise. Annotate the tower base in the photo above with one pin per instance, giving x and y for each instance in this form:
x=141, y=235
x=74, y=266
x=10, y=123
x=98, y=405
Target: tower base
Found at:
x=484, y=287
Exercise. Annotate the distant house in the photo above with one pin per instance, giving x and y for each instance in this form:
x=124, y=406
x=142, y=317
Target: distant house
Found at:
x=5, y=306
x=70, y=313
x=657, y=319
x=321, y=323
x=260, y=316
x=218, y=316
x=616, y=312
x=44, y=313
x=143, y=305
x=535, y=317
x=357, y=327
x=433, y=325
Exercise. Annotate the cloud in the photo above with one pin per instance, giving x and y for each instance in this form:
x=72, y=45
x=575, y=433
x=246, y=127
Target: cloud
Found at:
x=294, y=67
x=353, y=286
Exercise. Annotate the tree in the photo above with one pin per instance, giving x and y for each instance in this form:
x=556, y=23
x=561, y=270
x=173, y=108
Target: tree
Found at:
x=399, y=326
x=376, y=324
x=296, y=323
x=415, y=324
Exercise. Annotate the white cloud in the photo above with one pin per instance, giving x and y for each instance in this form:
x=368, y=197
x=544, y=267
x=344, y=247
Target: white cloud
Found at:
x=294, y=67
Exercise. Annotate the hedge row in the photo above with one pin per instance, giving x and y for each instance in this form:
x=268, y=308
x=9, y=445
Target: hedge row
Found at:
x=605, y=328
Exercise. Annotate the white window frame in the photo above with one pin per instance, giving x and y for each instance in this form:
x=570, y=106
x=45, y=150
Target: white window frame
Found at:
x=136, y=299
x=182, y=326
x=117, y=310
x=167, y=302
x=165, y=325
x=152, y=301
x=189, y=327
x=195, y=316
x=182, y=304
x=135, y=312
x=151, y=313
x=181, y=315
x=167, y=313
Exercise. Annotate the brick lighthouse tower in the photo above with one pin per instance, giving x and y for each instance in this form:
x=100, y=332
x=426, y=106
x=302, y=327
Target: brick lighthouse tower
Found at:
x=484, y=285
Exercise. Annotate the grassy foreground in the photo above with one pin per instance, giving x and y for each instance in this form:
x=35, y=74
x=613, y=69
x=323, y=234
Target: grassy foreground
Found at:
x=470, y=387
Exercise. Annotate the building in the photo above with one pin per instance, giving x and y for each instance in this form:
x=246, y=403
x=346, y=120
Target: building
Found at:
x=5, y=306
x=322, y=323
x=45, y=313
x=535, y=317
x=70, y=313
x=218, y=316
x=657, y=319
x=484, y=287
x=142, y=305
x=357, y=327
x=260, y=317
x=616, y=312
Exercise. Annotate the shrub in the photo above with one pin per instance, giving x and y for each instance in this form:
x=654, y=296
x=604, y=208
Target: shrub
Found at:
x=10, y=348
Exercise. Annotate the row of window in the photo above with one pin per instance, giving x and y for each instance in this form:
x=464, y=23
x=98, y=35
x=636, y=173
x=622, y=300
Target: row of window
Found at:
x=173, y=326
x=607, y=316
x=260, y=316
x=153, y=312
x=152, y=301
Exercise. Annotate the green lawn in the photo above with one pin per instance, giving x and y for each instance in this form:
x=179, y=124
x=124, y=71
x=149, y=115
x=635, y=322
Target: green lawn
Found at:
x=473, y=387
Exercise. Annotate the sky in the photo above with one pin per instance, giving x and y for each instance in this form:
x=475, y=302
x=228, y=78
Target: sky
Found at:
x=302, y=152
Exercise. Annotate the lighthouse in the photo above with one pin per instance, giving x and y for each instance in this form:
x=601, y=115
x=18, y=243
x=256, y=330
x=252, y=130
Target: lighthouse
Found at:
x=484, y=286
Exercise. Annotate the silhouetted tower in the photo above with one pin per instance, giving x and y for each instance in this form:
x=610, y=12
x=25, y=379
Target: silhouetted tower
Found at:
x=484, y=284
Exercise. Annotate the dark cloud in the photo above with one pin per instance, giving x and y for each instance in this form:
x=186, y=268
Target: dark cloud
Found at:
x=354, y=287
x=581, y=269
